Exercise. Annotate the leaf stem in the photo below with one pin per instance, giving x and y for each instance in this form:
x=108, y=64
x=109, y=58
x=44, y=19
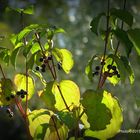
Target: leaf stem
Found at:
x=63, y=98
x=103, y=78
x=105, y=45
x=55, y=126
x=38, y=40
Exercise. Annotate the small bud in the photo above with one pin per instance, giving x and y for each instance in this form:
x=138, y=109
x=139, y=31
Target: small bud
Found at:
x=43, y=66
x=22, y=96
x=8, y=98
x=37, y=68
x=41, y=59
x=114, y=68
x=109, y=66
x=96, y=73
x=102, y=62
x=50, y=57
x=118, y=75
x=18, y=93
x=115, y=72
x=12, y=96
x=22, y=92
x=97, y=68
x=43, y=70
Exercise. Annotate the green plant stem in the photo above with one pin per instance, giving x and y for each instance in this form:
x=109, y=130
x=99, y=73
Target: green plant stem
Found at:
x=105, y=45
x=26, y=105
x=53, y=72
x=27, y=74
x=55, y=126
x=38, y=40
x=55, y=75
x=103, y=79
x=2, y=72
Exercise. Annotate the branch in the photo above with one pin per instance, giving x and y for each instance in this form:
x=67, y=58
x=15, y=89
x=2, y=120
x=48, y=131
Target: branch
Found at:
x=106, y=43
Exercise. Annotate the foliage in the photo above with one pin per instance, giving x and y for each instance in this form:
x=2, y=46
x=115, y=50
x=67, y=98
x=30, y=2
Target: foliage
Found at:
x=96, y=110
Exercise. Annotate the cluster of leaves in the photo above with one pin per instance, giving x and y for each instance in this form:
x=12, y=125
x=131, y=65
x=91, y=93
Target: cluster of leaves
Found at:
x=68, y=114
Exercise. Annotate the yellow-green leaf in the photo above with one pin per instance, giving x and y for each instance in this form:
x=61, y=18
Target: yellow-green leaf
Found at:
x=53, y=96
x=43, y=124
x=115, y=123
x=64, y=57
x=6, y=90
x=20, y=82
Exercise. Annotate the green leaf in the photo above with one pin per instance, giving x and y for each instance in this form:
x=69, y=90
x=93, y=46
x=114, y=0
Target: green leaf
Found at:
x=59, y=30
x=22, y=34
x=67, y=118
x=29, y=10
x=128, y=68
x=43, y=124
x=121, y=67
x=123, y=37
x=20, y=82
x=88, y=69
x=134, y=35
x=30, y=62
x=40, y=76
x=123, y=15
x=114, y=79
x=5, y=55
x=36, y=118
x=6, y=90
x=27, y=48
x=64, y=57
x=52, y=95
x=98, y=114
x=51, y=133
x=35, y=48
x=95, y=23
x=115, y=123
x=14, y=56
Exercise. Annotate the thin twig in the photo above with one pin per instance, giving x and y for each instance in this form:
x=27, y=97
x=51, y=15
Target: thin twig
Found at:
x=106, y=42
x=55, y=126
x=63, y=98
x=103, y=79
x=2, y=72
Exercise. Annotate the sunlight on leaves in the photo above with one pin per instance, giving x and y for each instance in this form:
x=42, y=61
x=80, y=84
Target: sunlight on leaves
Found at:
x=20, y=82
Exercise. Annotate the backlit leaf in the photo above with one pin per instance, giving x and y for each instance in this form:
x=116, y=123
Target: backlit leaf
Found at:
x=115, y=123
x=95, y=23
x=123, y=37
x=88, y=69
x=134, y=35
x=123, y=15
x=5, y=55
x=29, y=10
x=6, y=90
x=20, y=82
x=64, y=57
x=98, y=114
x=14, y=56
x=52, y=95
x=43, y=125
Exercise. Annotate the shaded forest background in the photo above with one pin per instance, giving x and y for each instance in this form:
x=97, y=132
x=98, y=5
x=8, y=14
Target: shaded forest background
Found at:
x=74, y=16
